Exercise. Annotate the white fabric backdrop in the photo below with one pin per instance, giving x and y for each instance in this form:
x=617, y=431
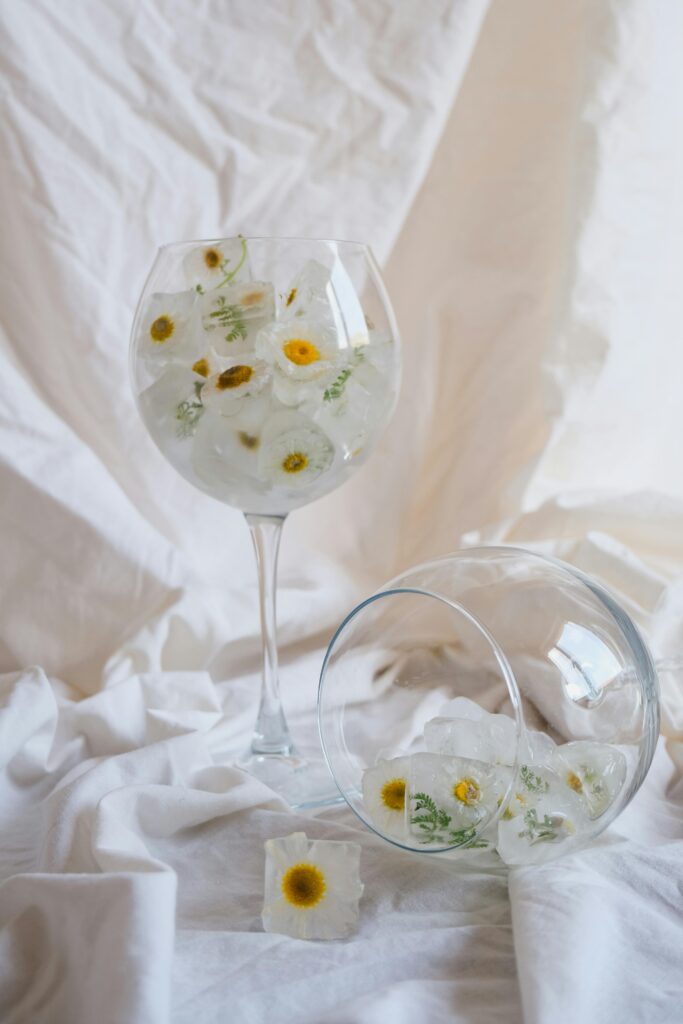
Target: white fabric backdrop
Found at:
x=516, y=168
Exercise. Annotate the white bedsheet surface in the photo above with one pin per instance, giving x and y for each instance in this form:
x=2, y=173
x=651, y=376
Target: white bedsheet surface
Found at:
x=531, y=224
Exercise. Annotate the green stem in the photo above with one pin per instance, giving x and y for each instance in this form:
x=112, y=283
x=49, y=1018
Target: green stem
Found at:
x=228, y=277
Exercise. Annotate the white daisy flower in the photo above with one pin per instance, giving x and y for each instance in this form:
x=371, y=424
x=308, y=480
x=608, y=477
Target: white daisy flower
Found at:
x=216, y=263
x=596, y=772
x=169, y=328
x=312, y=888
x=235, y=381
x=226, y=448
x=384, y=796
x=233, y=315
x=449, y=797
x=295, y=452
x=302, y=350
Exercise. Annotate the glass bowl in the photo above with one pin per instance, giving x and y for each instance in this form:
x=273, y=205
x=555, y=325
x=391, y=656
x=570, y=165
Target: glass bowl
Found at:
x=493, y=703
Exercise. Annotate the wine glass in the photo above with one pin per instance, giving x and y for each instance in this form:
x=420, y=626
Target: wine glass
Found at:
x=265, y=370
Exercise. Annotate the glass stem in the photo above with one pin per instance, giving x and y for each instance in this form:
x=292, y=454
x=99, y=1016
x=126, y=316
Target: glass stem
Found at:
x=271, y=734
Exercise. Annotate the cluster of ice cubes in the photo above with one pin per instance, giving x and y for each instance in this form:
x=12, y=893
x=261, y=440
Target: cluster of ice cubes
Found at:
x=266, y=400
x=480, y=786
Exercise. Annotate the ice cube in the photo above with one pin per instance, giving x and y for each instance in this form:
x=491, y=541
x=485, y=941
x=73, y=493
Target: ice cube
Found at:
x=542, y=815
x=310, y=295
x=451, y=798
x=384, y=796
x=210, y=264
x=462, y=707
x=491, y=738
x=226, y=449
x=169, y=330
x=596, y=772
x=171, y=406
x=538, y=748
x=233, y=315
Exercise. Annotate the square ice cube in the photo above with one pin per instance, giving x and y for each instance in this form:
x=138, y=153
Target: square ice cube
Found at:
x=542, y=814
x=233, y=315
x=596, y=772
x=450, y=799
x=491, y=738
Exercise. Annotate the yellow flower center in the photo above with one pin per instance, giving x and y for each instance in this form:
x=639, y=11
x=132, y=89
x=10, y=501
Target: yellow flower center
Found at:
x=233, y=377
x=295, y=462
x=251, y=299
x=213, y=258
x=467, y=792
x=303, y=885
x=162, y=329
x=248, y=440
x=574, y=782
x=201, y=367
x=301, y=352
x=291, y=297
x=393, y=794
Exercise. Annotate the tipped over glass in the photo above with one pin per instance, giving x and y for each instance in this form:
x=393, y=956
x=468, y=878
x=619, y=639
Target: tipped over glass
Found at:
x=494, y=704
x=265, y=369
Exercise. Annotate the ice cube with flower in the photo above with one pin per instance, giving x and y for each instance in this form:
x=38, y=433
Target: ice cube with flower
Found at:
x=212, y=264
x=294, y=451
x=541, y=814
x=235, y=381
x=233, y=315
x=169, y=329
x=596, y=772
x=312, y=887
x=384, y=795
x=452, y=799
x=225, y=449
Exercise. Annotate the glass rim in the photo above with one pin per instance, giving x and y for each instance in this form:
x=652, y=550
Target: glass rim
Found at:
x=263, y=238
x=510, y=681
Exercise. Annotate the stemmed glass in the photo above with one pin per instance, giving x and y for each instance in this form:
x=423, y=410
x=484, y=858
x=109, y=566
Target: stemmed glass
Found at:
x=265, y=370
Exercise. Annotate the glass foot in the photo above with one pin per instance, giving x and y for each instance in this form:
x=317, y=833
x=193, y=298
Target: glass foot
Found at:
x=302, y=782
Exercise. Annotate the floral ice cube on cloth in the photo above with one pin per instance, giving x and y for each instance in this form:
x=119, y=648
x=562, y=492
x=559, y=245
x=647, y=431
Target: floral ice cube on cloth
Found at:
x=215, y=263
x=312, y=888
x=384, y=796
x=542, y=814
x=450, y=799
x=233, y=315
x=596, y=772
x=169, y=329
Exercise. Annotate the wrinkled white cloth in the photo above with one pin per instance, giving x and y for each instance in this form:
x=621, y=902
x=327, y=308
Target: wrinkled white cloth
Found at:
x=516, y=168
